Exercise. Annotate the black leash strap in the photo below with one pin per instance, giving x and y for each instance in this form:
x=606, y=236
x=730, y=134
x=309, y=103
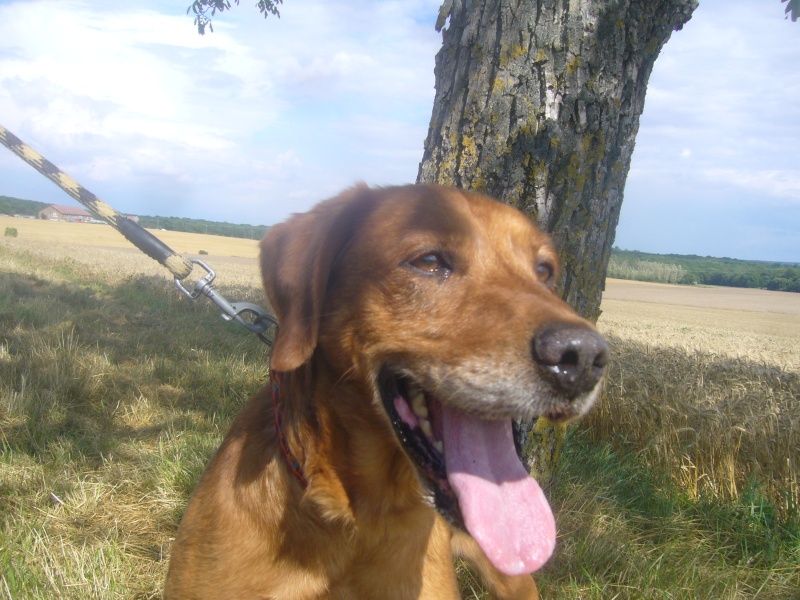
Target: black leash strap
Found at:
x=258, y=321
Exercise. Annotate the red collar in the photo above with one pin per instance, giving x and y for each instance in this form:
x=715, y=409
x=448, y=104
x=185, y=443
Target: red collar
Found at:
x=276, y=379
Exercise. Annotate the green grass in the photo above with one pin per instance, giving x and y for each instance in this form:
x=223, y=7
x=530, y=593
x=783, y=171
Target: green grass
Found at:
x=628, y=531
x=115, y=391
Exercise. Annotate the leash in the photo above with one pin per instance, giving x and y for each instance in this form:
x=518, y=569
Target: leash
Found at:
x=178, y=265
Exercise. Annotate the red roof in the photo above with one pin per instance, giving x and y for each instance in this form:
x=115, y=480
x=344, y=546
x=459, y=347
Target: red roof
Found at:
x=74, y=211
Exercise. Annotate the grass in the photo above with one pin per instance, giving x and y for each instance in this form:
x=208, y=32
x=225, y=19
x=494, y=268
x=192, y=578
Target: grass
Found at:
x=714, y=423
x=628, y=531
x=115, y=390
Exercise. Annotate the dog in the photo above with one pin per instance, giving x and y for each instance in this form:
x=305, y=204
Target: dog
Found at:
x=415, y=323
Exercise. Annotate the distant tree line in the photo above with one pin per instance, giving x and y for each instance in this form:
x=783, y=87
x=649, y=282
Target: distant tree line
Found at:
x=18, y=206
x=250, y=232
x=693, y=269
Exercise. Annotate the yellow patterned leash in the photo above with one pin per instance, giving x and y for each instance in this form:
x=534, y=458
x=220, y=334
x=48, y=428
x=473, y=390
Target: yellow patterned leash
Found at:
x=259, y=321
x=179, y=266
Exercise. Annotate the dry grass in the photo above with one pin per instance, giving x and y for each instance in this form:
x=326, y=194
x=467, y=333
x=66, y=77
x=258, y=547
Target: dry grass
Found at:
x=115, y=390
x=710, y=395
x=56, y=257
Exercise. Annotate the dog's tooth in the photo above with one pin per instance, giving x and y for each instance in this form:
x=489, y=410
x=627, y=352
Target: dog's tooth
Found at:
x=425, y=425
x=419, y=406
x=439, y=445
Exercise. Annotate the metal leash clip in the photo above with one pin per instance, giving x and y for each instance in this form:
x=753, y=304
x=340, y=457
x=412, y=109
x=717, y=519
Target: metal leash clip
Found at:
x=261, y=322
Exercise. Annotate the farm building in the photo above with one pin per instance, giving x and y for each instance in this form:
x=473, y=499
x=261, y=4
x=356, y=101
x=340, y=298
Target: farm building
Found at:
x=75, y=214
x=56, y=212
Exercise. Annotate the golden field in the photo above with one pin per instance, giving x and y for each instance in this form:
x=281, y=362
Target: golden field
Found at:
x=751, y=324
x=729, y=345
x=90, y=234
x=104, y=249
x=705, y=383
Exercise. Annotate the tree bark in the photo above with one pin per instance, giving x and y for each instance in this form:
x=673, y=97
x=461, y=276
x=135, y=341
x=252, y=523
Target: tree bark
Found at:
x=537, y=104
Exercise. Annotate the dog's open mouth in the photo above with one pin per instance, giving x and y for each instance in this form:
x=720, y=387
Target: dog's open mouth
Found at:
x=477, y=479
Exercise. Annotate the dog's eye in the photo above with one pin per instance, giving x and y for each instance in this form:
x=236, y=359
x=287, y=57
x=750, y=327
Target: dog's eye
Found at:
x=545, y=271
x=431, y=262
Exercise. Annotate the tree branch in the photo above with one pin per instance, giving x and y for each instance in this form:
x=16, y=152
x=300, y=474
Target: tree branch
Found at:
x=792, y=9
x=201, y=9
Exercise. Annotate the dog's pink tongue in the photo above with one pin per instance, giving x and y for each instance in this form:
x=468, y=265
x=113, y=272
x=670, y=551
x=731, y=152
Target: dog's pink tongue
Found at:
x=503, y=507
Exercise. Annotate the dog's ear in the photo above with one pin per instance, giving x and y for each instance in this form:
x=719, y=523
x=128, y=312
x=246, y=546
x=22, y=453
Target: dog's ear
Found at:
x=296, y=261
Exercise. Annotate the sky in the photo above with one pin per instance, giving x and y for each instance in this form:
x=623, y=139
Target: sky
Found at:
x=266, y=117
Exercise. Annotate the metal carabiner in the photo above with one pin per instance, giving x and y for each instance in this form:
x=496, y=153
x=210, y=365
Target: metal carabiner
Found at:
x=262, y=322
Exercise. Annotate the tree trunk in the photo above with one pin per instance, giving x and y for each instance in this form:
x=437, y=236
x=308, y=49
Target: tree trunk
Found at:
x=538, y=104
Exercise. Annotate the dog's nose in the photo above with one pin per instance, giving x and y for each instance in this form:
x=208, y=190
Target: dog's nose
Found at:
x=574, y=355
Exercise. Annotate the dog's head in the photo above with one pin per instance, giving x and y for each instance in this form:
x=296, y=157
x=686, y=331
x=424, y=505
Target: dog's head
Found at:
x=442, y=302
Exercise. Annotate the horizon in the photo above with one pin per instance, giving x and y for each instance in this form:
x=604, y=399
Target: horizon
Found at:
x=615, y=248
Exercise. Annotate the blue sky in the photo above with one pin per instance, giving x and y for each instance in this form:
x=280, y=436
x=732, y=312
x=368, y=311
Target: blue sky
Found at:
x=264, y=118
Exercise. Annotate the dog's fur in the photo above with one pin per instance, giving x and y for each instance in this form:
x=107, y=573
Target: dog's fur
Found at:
x=447, y=287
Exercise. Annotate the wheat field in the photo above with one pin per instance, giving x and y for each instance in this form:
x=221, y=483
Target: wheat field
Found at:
x=737, y=352
x=742, y=323
x=105, y=236
x=115, y=390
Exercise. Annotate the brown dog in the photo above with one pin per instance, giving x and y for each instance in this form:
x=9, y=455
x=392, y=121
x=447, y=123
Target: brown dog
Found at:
x=415, y=323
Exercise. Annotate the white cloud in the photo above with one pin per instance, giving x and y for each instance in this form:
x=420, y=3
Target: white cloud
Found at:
x=765, y=184
x=729, y=76
x=124, y=97
x=98, y=84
